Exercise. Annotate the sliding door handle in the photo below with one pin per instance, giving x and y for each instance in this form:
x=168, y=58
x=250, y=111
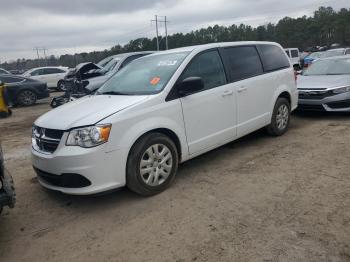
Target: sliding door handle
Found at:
x=242, y=89
x=227, y=93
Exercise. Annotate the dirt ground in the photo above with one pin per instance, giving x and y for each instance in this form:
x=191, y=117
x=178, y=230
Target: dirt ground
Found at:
x=257, y=199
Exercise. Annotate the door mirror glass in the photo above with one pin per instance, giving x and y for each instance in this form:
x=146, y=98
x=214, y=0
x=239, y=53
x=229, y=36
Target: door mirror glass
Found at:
x=190, y=85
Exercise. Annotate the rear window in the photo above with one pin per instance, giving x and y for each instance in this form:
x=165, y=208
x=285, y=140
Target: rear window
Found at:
x=243, y=62
x=273, y=58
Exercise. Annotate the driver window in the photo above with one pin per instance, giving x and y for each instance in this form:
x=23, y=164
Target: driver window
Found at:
x=209, y=67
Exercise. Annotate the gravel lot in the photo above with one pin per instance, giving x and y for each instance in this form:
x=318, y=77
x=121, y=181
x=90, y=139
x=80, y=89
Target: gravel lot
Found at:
x=257, y=199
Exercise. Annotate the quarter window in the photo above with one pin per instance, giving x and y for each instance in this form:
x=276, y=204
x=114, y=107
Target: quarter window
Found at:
x=209, y=67
x=273, y=58
x=243, y=62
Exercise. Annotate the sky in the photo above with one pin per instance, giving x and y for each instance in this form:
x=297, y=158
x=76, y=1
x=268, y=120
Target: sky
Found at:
x=75, y=26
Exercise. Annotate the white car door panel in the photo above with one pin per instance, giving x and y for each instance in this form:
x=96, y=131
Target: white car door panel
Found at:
x=209, y=115
x=252, y=92
x=253, y=99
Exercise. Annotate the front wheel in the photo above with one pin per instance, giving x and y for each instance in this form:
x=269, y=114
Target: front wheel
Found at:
x=152, y=164
x=280, y=118
x=61, y=86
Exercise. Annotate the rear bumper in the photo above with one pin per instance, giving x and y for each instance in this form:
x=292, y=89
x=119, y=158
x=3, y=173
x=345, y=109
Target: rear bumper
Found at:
x=335, y=103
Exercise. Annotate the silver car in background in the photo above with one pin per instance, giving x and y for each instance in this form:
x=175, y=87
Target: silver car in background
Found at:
x=325, y=86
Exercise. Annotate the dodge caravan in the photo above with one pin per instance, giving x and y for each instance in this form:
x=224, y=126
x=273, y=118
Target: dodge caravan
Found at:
x=161, y=110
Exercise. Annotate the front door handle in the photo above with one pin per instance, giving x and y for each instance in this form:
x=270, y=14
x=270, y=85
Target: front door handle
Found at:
x=241, y=89
x=227, y=93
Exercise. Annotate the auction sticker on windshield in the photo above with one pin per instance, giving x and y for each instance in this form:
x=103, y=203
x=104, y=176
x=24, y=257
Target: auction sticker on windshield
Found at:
x=155, y=81
x=167, y=63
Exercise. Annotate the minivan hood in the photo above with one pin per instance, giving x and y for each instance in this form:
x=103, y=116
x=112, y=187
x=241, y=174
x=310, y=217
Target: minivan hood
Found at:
x=322, y=81
x=86, y=111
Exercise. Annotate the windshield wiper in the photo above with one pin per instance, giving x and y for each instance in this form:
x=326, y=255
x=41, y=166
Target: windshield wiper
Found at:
x=116, y=93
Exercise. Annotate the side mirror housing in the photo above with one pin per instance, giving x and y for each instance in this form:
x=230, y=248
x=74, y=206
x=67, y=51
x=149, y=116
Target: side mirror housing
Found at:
x=190, y=85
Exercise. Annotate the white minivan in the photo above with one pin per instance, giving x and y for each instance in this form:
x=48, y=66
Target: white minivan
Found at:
x=162, y=110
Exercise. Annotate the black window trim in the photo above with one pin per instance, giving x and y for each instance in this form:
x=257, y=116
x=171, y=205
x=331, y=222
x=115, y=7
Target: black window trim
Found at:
x=273, y=70
x=173, y=95
x=227, y=66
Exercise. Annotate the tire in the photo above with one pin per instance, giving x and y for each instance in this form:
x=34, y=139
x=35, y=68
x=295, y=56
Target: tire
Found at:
x=155, y=177
x=61, y=86
x=280, y=118
x=26, y=98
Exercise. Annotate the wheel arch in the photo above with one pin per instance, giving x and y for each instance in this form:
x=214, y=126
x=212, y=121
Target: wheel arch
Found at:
x=167, y=132
x=286, y=95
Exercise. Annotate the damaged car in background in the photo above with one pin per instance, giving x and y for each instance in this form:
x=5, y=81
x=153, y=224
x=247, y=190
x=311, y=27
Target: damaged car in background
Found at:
x=86, y=78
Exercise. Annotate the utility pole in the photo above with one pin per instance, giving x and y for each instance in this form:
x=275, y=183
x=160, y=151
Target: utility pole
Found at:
x=44, y=49
x=37, y=53
x=166, y=33
x=165, y=21
x=157, y=33
x=37, y=49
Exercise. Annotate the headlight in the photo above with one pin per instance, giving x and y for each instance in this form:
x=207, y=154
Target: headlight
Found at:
x=89, y=136
x=341, y=90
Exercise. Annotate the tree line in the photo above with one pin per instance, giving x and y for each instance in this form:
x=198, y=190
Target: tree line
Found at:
x=325, y=27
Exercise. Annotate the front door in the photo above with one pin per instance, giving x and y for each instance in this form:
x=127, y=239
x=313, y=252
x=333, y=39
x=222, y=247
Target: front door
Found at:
x=209, y=115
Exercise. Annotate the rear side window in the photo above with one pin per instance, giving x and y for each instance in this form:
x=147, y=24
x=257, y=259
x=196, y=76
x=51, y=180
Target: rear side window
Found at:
x=209, y=67
x=49, y=71
x=243, y=62
x=37, y=72
x=273, y=58
x=347, y=52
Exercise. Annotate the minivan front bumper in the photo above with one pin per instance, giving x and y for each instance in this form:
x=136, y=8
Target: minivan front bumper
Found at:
x=80, y=171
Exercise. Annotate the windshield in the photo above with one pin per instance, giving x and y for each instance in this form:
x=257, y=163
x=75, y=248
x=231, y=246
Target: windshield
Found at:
x=105, y=61
x=315, y=55
x=332, y=53
x=329, y=67
x=111, y=64
x=144, y=76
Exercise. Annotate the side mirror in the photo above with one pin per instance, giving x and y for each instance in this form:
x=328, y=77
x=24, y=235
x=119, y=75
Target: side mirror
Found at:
x=190, y=85
x=299, y=72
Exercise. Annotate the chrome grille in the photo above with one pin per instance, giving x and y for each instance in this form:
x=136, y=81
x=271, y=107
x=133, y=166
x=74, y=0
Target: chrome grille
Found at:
x=46, y=140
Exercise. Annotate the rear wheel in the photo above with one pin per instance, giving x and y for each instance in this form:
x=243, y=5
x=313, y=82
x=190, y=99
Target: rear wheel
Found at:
x=26, y=98
x=152, y=164
x=280, y=118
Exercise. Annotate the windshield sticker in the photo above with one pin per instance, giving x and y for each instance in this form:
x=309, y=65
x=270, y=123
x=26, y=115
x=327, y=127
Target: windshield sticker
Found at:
x=155, y=81
x=167, y=63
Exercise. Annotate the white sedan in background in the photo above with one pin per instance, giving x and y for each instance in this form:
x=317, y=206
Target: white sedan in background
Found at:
x=52, y=76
